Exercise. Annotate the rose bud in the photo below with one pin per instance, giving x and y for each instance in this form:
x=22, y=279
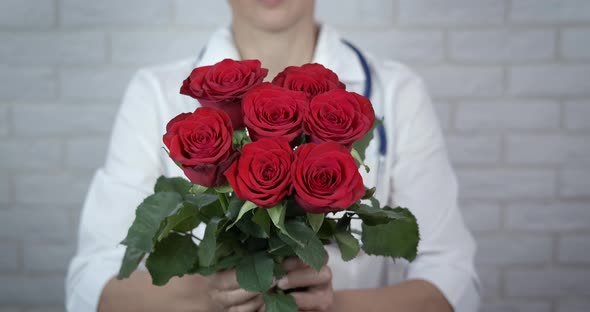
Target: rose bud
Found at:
x=312, y=79
x=201, y=142
x=271, y=111
x=325, y=178
x=223, y=85
x=339, y=116
x=262, y=174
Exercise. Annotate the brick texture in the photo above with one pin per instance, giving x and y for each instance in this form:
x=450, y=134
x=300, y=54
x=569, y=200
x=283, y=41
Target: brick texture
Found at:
x=510, y=81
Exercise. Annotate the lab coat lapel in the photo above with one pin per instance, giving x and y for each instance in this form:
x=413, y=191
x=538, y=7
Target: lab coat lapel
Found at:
x=335, y=55
x=330, y=52
x=220, y=46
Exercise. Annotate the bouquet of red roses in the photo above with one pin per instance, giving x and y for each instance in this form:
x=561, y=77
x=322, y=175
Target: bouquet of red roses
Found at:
x=273, y=172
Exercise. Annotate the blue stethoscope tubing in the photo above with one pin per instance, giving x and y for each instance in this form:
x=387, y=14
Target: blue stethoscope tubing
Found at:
x=368, y=92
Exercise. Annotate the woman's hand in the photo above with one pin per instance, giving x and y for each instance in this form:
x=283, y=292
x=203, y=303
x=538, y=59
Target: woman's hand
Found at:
x=316, y=294
x=226, y=293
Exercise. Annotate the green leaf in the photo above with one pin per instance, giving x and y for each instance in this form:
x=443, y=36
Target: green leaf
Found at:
x=361, y=145
x=131, y=260
x=173, y=256
x=228, y=262
x=176, y=184
x=255, y=271
x=201, y=200
x=235, y=204
x=369, y=192
x=208, y=245
x=371, y=215
x=240, y=138
x=279, y=303
x=277, y=215
x=311, y=250
x=315, y=220
x=348, y=245
x=262, y=218
x=148, y=218
x=198, y=189
x=183, y=220
x=247, y=206
x=207, y=203
x=279, y=248
x=247, y=226
x=227, y=242
x=223, y=189
x=397, y=238
x=327, y=229
x=279, y=271
x=375, y=202
x=359, y=160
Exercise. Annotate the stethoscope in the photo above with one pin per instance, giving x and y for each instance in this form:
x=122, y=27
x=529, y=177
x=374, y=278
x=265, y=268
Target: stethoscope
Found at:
x=368, y=92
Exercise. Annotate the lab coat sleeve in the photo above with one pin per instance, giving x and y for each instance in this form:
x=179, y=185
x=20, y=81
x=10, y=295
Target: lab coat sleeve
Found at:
x=422, y=180
x=130, y=170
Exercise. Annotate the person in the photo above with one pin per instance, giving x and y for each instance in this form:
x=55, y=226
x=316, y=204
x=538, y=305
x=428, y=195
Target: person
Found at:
x=413, y=172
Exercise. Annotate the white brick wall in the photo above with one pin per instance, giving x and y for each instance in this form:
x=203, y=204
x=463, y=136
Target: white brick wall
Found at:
x=510, y=79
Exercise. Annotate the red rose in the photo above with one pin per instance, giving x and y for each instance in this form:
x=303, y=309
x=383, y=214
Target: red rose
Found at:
x=223, y=85
x=312, y=79
x=325, y=178
x=271, y=111
x=262, y=173
x=339, y=116
x=202, y=143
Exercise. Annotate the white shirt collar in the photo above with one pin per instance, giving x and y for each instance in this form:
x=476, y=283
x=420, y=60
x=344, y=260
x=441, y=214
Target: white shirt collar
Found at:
x=330, y=52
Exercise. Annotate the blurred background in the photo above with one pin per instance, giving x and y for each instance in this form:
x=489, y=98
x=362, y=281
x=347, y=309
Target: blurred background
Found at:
x=510, y=78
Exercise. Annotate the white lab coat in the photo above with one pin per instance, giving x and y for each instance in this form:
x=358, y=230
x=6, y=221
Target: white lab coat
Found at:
x=415, y=173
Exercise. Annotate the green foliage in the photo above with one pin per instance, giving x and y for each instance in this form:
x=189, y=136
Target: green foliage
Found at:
x=246, y=207
x=276, y=302
x=175, y=185
x=361, y=145
x=233, y=209
x=252, y=240
x=311, y=250
x=148, y=216
x=315, y=220
x=183, y=219
x=173, y=256
x=359, y=160
x=240, y=138
x=224, y=189
x=141, y=235
x=348, y=245
x=208, y=245
x=198, y=189
x=131, y=260
x=396, y=238
x=247, y=226
x=279, y=248
x=262, y=218
x=372, y=215
x=255, y=271
x=369, y=192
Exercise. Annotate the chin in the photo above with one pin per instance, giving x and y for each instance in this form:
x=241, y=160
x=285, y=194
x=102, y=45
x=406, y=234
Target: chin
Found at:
x=272, y=15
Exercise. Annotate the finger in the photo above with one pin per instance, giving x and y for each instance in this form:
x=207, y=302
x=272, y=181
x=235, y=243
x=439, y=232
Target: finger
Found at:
x=232, y=297
x=305, y=278
x=315, y=300
x=250, y=306
x=224, y=280
x=293, y=263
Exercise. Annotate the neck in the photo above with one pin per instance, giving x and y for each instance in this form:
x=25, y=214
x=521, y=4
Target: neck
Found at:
x=277, y=49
